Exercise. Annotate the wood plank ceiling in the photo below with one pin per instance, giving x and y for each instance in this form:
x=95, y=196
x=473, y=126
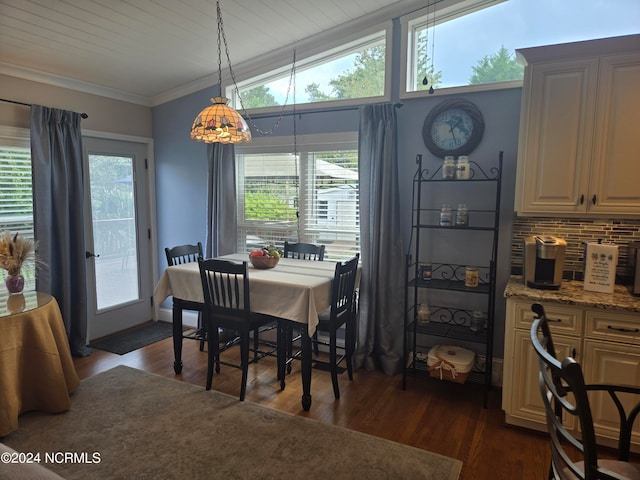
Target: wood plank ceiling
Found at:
x=148, y=47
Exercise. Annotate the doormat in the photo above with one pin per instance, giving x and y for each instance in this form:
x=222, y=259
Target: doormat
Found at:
x=134, y=339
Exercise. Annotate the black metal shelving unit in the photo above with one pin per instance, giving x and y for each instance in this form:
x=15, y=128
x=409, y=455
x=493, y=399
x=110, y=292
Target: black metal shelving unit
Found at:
x=450, y=322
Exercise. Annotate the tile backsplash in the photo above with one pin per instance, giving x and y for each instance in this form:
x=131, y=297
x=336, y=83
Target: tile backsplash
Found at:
x=576, y=231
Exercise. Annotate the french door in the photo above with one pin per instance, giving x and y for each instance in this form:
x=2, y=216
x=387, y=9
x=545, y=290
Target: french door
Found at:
x=117, y=231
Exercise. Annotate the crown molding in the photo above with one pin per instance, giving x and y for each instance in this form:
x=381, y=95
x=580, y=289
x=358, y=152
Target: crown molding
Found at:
x=207, y=81
x=71, y=84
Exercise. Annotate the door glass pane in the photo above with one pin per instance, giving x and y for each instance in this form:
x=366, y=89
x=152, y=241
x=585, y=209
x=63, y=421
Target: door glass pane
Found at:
x=114, y=229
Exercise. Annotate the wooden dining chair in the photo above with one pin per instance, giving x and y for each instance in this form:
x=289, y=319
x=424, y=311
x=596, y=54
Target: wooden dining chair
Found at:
x=304, y=251
x=564, y=394
x=342, y=311
x=180, y=255
x=225, y=287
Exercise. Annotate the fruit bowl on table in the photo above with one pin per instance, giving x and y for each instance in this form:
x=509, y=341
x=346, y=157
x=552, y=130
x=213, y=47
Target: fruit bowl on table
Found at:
x=263, y=262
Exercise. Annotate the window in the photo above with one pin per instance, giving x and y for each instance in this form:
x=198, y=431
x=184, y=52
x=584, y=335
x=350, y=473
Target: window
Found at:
x=311, y=199
x=354, y=70
x=472, y=43
x=16, y=199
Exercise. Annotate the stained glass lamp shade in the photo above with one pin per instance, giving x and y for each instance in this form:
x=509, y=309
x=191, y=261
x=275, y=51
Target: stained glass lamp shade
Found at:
x=219, y=123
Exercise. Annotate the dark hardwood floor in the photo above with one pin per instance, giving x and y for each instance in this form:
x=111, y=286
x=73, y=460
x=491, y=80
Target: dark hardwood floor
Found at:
x=441, y=417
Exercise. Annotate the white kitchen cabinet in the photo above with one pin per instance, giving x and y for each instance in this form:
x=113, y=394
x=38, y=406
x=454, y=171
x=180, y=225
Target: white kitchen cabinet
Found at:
x=525, y=402
x=605, y=343
x=521, y=398
x=607, y=362
x=611, y=355
x=579, y=150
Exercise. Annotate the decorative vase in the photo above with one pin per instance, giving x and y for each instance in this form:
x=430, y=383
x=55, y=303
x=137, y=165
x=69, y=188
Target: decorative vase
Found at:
x=14, y=283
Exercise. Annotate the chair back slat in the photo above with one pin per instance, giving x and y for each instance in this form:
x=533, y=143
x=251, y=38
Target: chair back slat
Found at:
x=304, y=251
x=183, y=254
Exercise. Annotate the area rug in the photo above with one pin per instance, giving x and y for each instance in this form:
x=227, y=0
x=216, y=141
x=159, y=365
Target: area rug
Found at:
x=125, y=423
x=134, y=339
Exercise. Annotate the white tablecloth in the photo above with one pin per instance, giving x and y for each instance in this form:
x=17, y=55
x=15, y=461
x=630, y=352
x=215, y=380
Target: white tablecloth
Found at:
x=296, y=290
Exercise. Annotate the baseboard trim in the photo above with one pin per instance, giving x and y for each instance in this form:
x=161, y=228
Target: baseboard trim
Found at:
x=189, y=319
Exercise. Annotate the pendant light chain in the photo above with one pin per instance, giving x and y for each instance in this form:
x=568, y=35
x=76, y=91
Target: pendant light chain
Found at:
x=235, y=83
x=295, y=143
x=220, y=35
x=295, y=126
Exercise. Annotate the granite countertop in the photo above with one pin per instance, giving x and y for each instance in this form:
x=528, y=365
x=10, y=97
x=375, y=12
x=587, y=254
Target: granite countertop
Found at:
x=572, y=292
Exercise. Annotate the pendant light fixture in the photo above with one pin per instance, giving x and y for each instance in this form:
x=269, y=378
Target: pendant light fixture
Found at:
x=219, y=122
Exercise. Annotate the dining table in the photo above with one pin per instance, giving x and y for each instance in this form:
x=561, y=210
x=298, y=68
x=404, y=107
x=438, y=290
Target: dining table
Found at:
x=293, y=293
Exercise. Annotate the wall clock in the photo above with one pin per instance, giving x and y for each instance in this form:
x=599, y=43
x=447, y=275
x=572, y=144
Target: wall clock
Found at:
x=453, y=127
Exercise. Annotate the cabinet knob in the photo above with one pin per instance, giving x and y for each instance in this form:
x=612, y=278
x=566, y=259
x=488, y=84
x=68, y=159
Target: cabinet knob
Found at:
x=593, y=199
x=582, y=199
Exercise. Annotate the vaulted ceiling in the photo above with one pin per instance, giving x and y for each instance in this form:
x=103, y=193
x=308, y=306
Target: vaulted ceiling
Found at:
x=146, y=48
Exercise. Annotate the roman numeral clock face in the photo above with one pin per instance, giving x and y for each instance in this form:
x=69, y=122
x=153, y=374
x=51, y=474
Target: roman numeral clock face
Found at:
x=452, y=128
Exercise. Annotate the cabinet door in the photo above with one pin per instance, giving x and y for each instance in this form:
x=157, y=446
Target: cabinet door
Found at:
x=607, y=362
x=616, y=154
x=524, y=400
x=556, y=136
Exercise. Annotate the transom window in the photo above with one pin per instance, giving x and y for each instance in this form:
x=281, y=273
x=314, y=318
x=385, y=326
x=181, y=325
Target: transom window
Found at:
x=310, y=197
x=472, y=43
x=355, y=70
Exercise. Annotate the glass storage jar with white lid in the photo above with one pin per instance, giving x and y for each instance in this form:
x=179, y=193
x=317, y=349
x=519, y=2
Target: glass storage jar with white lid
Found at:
x=448, y=168
x=462, y=168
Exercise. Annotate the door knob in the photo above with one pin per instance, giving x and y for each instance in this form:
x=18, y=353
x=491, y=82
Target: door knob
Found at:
x=89, y=254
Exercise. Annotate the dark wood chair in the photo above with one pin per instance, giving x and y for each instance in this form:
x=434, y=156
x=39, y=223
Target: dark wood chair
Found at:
x=304, y=251
x=186, y=254
x=225, y=287
x=342, y=311
x=564, y=393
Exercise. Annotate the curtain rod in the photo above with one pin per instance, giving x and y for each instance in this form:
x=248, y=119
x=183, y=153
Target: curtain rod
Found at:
x=304, y=112
x=83, y=115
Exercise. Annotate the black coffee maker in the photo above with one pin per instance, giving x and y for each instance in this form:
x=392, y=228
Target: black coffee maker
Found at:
x=543, y=261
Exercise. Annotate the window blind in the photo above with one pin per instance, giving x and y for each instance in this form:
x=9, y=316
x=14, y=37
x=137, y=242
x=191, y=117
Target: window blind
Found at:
x=16, y=198
x=310, y=197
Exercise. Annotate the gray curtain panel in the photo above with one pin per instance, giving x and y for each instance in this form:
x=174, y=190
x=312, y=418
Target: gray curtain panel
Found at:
x=381, y=322
x=58, y=200
x=221, y=200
